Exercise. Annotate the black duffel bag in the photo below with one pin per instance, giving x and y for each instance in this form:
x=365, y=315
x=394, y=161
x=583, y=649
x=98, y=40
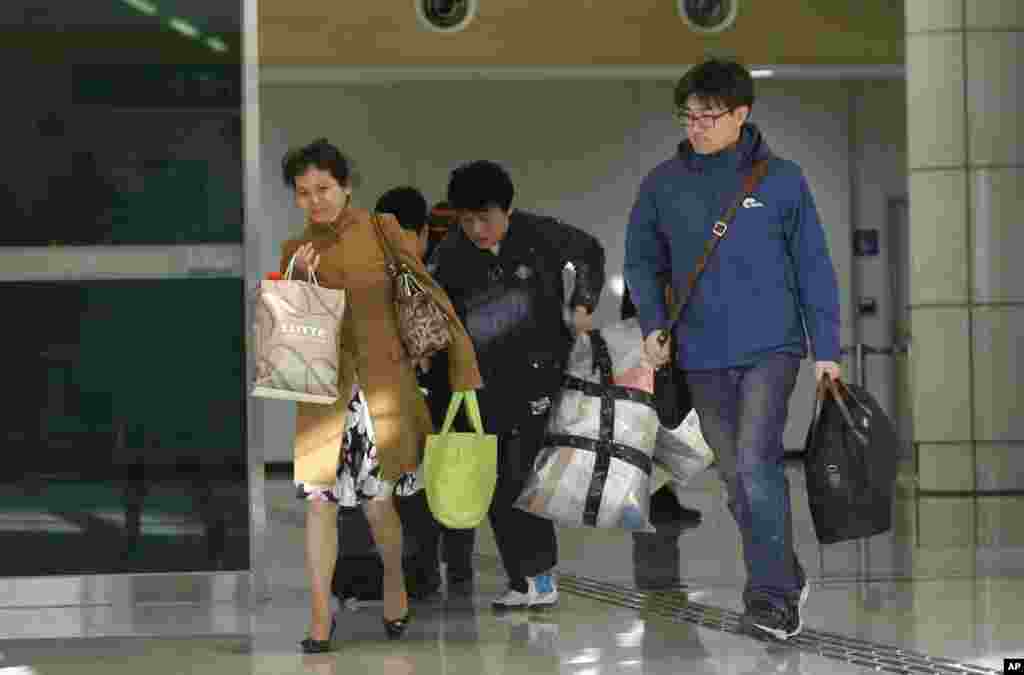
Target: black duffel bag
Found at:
x=850, y=461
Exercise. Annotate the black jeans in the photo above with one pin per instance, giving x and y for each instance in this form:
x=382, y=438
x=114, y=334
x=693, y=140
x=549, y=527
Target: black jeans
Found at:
x=526, y=543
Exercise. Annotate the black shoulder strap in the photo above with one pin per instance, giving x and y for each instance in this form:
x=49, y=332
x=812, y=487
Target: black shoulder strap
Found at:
x=718, y=232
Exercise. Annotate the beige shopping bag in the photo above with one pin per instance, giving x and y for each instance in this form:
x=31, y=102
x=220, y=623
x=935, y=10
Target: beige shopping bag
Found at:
x=296, y=340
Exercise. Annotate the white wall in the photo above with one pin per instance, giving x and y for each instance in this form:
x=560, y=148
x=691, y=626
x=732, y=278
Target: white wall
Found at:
x=880, y=174
x=576, y=149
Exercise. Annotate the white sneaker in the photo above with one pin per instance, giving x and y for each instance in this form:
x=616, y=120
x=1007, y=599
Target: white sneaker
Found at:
x=513, y=599
x=545, y=590
x=541, y=592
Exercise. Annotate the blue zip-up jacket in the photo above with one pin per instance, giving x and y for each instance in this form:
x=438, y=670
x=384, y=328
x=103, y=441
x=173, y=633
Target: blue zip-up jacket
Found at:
x=771, y=276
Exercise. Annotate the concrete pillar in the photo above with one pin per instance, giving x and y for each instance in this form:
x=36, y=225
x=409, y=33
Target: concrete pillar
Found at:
x=966, y=165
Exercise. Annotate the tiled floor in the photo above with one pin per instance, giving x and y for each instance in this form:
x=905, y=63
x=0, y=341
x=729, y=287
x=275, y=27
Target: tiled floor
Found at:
x=926, y=597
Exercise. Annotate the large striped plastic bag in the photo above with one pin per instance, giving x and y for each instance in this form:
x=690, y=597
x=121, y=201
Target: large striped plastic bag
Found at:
x=594, y=469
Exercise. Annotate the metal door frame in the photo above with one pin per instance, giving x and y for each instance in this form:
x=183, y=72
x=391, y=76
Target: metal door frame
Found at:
x=88, y=263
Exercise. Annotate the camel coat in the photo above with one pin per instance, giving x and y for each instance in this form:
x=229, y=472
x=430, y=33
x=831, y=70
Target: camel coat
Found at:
x=371, y=352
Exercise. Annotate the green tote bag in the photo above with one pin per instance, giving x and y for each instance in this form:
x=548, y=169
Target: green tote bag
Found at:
x=461, y=469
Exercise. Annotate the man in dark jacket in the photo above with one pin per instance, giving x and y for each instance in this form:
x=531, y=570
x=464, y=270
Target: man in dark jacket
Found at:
x=742, y=335
x=504, y=271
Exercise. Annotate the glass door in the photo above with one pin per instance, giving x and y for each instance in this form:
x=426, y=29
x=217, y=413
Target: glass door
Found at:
x=122, y=281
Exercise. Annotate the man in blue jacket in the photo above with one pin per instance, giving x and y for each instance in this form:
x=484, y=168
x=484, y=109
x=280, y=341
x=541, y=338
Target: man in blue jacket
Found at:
x=768, y=291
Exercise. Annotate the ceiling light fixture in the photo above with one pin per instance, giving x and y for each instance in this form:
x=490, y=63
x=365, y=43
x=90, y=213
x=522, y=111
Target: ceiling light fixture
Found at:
x=184, y=27
x=142, y=6
x=216, y=44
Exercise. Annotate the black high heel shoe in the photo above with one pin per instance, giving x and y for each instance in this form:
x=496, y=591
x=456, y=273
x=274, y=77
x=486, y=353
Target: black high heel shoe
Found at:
x=311, y=646
x=396, y=627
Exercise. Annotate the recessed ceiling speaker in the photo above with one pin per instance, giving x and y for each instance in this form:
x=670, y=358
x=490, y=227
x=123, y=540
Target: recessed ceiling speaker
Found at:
x=445, y=16
x=708, y=16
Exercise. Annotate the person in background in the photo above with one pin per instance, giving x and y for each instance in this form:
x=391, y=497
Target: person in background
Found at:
x=503, y=269
x=409, y=207
x=441, y=222
x=768, y=291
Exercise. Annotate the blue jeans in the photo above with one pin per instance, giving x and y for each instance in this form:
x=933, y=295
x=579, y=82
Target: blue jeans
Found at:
x=742, y=416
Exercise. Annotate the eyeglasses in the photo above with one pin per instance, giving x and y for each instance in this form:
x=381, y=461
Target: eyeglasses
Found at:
x=704, y=120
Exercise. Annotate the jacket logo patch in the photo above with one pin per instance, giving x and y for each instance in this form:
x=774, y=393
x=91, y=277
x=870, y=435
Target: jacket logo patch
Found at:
x=523, y=272
x=751, y=203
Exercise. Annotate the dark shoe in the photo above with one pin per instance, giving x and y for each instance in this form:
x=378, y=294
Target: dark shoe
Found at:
x=656, y=560
x=666, y=511
x=763, y=618
x=423, y=587
x=459, y=575
x=311, y=646
x=396, y=628
x=460, y=587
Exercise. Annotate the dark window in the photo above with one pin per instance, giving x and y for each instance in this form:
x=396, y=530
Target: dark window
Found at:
x=127, y=126
x=124, y=427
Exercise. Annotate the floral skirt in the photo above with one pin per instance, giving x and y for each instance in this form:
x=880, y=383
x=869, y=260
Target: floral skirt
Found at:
x=358, y=465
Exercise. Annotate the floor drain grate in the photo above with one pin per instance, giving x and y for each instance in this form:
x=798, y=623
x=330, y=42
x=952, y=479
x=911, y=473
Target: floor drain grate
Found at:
x=674, y=605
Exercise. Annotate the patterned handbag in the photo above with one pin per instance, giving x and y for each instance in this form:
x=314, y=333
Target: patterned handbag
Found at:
x=422, y=323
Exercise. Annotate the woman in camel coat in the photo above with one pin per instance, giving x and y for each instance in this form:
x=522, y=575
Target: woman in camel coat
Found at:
x=384, y=424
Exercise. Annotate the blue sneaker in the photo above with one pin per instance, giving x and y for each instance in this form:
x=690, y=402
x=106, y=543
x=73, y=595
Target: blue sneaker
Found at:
x=543, y=591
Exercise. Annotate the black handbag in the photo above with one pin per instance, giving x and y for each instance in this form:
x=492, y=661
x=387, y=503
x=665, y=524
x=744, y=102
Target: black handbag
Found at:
x=672, y=397
x=671, y=394
x=850, y=461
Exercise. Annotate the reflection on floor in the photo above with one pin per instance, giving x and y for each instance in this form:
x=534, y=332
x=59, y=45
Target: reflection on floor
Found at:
x=67, y=525
x=946, y=597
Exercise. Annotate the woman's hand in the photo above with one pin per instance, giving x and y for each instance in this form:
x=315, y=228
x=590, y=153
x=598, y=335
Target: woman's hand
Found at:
x=307, y=260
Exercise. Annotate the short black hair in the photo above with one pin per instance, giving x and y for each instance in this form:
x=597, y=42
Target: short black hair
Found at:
x=407, y=204
x=726, y=83
x=480, y=185
x=319, y=154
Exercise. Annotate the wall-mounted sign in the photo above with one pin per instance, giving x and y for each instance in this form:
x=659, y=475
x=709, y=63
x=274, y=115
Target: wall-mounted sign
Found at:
x=865, y=242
